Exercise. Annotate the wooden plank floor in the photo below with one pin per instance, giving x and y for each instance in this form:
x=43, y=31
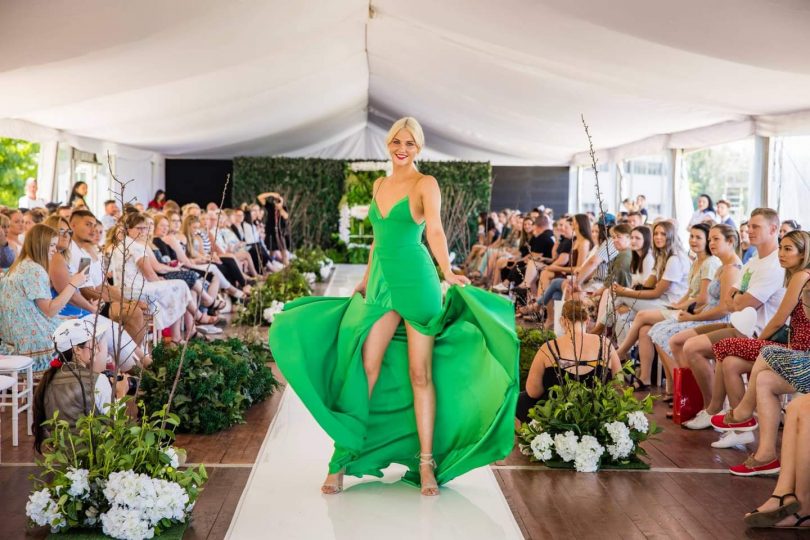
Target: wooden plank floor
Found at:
x=687, y=494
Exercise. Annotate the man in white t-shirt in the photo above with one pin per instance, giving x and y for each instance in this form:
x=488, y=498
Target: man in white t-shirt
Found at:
x=111, y=214
x=29, y=200
x=761, y=286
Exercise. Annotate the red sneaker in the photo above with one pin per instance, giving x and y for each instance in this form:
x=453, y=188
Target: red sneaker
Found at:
x=727, y=422
x=752, y=467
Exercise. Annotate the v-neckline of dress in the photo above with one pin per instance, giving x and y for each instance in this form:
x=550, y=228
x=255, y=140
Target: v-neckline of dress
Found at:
x=379, y=211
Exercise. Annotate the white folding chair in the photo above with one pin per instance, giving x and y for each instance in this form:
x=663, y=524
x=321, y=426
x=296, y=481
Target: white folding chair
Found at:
x=20, y=370
x=6, y=382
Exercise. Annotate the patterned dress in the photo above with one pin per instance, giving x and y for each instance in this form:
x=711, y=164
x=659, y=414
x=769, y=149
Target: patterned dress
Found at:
x=23, y=327
x=749, y=349
x=793, y=366
x=662, y=332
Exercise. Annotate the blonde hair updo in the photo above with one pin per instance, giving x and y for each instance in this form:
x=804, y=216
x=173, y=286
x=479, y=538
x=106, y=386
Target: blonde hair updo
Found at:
x=412, y=126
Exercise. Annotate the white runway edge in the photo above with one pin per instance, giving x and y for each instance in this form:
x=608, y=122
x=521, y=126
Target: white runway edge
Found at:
x=282, y=498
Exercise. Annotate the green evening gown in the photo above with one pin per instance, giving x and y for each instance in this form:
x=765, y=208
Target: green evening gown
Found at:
x=317, y=344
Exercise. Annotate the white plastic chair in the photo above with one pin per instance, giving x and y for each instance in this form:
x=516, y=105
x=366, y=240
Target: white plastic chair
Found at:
x=20, y=370
x=6, y=382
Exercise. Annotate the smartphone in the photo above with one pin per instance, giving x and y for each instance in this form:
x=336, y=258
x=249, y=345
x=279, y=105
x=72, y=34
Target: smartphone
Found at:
x=84, y=262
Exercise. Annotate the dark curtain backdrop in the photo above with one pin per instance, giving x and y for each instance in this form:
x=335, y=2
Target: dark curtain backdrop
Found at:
x=198, y=180
x=524, y=188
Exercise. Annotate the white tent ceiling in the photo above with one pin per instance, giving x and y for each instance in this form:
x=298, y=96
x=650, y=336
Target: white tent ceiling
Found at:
x=503, y=81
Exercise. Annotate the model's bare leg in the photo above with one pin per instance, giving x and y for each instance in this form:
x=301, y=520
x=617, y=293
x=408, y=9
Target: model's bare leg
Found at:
x=420, y=361
x=374, y=349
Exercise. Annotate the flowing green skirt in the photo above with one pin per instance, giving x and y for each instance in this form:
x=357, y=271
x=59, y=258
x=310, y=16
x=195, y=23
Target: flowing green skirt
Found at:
x=317, y=343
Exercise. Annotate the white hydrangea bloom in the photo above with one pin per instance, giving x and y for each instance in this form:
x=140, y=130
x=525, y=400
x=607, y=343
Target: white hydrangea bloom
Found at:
x=525, y=449
x=541, y=446
x=325, y=271
x=344, y=230
x=270, y=313
x=125, y=524
x=79, y=483
x=535, y=425
x=622, y=443
x=638, y=421
x=310, y=277
x=359, y=211
x=172, y=453
x=565, y=444
x=588, y=452
x=42, y=510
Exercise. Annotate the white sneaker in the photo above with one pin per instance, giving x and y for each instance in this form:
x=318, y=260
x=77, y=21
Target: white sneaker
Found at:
x=702, y=420
x=730, y=439
x=500, y=288
x=208, y=329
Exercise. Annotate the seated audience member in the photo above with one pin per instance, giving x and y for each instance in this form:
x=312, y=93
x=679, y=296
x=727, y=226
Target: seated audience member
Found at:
x=498, y=273
x=32, y=217
x=594, y=269
x=188, y=245
x=560, y=257
x=619, y=269
x=15, y=232
x=64, y=211
x=505, y=245
x=169, y=301
x=635, y=219
x=487, y=235
x=66, y=262
x=30, y=201
x=789, y=506
x=736, y=356
x=7, y=253
x=787, y=226
x=28, y=312
x=664, y=287
x=761, y=286
x=541, y=244
x=723, y=210
x=277, y=231
x=227, y=241
x=705, y=210
x=158, y=200
x=641, y=205
x=111, y=214
x=643, y=260
x=701, y=274
x=576, y=354
x=85, y=243
x=74, y=384
x=724, y=243
x=247, y=233
x=77, y=195
x=227, y=264
x=746, y=249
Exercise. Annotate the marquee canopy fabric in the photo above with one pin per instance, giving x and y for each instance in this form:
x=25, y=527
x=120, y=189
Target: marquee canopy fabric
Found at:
x=502, y=81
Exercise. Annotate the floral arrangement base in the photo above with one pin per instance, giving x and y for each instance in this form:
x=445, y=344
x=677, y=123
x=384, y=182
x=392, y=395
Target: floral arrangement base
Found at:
x=172, y=533
x=632, y=463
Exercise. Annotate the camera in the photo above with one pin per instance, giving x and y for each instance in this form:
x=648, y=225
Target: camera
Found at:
x=133, y=381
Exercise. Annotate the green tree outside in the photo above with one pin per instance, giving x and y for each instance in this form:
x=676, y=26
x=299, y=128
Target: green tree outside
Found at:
x=18, y=160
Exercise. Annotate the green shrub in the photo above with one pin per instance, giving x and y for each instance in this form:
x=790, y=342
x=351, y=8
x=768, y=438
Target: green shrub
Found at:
x=283, y=286
x=219, y=381
x=530, y=341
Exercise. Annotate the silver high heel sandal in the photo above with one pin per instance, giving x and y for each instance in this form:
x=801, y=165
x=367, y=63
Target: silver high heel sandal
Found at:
x=333, y=488
x=432, y=489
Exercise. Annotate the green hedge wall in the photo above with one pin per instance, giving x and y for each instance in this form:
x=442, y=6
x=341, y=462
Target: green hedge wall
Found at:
x=312, y=189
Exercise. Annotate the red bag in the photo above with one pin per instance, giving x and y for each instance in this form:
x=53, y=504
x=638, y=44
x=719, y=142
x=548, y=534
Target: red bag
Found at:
x=687, y=399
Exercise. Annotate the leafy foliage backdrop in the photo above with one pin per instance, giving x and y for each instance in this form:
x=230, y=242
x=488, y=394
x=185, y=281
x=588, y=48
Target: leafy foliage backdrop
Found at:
x=314, y=187
x=18, y=161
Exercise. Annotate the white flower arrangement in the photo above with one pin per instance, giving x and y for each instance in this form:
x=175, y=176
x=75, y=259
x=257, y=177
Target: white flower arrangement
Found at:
x=622, y=445
x=174, y=458
x=565, y=444
x=270, y=312
x=79, y=484
x=42, y=510
x=588, y=453
x=365, y=166
x=310, y=277
x=638, y=421
x=541, y=447
x=344, y=225
x=359, y=211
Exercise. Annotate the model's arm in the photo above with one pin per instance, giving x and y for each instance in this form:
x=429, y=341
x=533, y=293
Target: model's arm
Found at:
x=432, y=207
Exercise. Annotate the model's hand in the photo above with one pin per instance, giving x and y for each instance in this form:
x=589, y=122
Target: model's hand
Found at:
x=456, y=279
x=360, y=288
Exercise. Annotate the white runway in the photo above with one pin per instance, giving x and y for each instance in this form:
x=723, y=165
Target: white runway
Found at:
x=282, y=498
